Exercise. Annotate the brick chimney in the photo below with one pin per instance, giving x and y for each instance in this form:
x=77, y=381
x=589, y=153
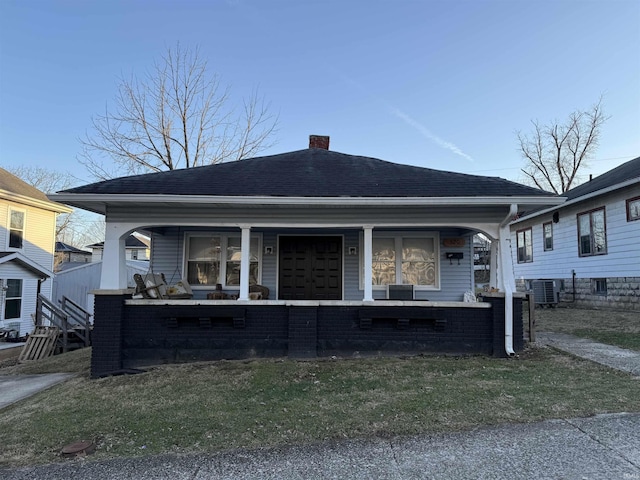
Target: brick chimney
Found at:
x=319, y=141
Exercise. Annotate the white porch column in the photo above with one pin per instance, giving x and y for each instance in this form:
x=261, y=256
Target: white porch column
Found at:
x=114, y=266
x=245, y=260
x=367, y=262
x=493, y=267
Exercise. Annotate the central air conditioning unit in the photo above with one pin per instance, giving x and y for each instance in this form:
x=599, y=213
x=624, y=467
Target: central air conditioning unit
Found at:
x=546, y=292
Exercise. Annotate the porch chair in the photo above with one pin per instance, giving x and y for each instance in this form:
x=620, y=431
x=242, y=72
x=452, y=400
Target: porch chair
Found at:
x=151, y=286
x=264, y=291
x=154, y=286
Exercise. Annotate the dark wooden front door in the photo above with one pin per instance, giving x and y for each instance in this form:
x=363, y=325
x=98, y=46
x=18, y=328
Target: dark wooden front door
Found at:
x=310, y=268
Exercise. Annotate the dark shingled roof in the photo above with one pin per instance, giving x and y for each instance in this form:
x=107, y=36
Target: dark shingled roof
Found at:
x=622, y=173
x=65, y=247
x=311, y=173
x=131, y=241
x=13, y=184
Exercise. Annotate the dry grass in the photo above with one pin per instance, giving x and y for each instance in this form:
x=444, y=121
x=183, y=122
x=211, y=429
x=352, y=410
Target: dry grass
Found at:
x=612, y=327
x=221, y=405
x=215, y=406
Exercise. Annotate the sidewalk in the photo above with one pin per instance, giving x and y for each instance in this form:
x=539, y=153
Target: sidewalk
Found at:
x=601, y=447
x=614, y=357
x=17, y=387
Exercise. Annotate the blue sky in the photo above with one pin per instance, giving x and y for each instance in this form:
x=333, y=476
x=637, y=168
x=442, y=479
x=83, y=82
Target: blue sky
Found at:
x=439, y=84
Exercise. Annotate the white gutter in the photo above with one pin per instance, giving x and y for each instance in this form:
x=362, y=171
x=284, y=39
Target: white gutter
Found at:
x=507, y=281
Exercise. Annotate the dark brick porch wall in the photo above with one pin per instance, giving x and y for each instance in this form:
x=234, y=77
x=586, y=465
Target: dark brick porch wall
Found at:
x=127, y=336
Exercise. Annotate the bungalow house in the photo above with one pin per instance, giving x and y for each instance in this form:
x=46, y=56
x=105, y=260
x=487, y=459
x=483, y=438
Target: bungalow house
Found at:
x=68, y=256
x=358, y=255
x=27, y=240
x=586, y=250
x=136, y=247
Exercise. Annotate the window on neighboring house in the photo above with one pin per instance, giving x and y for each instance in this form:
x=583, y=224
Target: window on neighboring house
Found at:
x=134, y=254
x=524, y=245
x=214, y=259
x=16, y=228
x=633, y=209
x=547, y=234
x=408, y=260
x=599, y=286
x=13, y=299
x=592, y=233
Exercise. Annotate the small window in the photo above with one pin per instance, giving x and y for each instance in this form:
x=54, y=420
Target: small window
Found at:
x=599, y=286
x=524, y=245
x=633, y=209
x=592, y=234
x=134, y=254
x=16, y=228
x=547, y=234
x=13, y=299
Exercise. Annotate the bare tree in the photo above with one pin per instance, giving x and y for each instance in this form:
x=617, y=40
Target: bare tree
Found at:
x=45, y=180
x=178, y=116
x=555, y=152
x=76, y=228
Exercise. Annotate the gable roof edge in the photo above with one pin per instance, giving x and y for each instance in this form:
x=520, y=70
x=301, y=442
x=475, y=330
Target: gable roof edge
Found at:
x=26, y=262
x=579, y=199
x=34, y=202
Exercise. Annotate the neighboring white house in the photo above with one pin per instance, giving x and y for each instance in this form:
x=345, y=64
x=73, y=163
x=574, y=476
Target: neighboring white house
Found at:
x=590, y=245
x=27, y=240
x=136, y=248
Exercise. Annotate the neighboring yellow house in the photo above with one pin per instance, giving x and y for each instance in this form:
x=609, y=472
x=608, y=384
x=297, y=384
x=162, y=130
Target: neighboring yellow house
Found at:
x=27, y=244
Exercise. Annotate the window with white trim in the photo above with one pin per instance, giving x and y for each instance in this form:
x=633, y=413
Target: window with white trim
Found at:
x=524, y=244
x=592, y=233
x=16, y=228
x=13, y=299
x=215, y=259
x=405, y=259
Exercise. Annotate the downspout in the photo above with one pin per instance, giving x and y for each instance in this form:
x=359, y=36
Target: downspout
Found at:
x=505, y=259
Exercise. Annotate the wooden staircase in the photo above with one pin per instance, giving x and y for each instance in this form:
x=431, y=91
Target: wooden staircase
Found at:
x=70, y=329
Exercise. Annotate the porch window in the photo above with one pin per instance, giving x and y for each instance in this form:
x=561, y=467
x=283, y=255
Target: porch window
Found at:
x=408, y=260
x=547, y=234
x=592, y=235
x=13, y=299
x=524, y=245
x=215, y=259
x=16, y=228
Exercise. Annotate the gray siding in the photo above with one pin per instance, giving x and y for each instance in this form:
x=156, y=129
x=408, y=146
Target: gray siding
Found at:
x=455, y=279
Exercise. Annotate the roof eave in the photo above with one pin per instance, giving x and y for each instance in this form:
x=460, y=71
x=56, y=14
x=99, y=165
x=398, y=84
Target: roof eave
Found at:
x=93, y=201
x=28, y=264
x=579, y=199
x=34, y=202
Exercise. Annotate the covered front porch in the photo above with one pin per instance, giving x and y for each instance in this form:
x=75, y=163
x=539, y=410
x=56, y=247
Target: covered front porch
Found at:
x=328, y=284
